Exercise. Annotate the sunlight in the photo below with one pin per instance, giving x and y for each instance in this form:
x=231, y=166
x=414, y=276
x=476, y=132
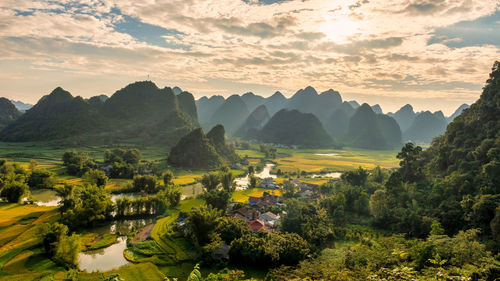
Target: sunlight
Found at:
x=338, y=27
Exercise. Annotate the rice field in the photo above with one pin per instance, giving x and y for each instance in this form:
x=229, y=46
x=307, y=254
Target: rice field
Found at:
x=315, y=160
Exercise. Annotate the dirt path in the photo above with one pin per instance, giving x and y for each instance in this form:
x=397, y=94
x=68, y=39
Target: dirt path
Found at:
x=143, y=233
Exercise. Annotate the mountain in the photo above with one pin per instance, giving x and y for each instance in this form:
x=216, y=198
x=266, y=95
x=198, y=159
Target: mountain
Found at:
x=292, y=127
x=8, y=112
x=425, y=127
x=138, y=113
x=231, y=114
x=252, y=101
x=377, y=109
x=457, y=112
x=177, y=90
x=275, y=103
x=367, y=129
x=404, y=116
x=187, y=104
x=337, y=123
x=255, y=121
x=196, y=151
x=354, y=104
x=207, y=106
x=58, y=115
x=305, y=100
x=21, y=106
x=327, y=102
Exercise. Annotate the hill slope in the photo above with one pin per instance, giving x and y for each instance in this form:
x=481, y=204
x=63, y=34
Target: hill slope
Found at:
x=8, y=112
x=425, y=127
x=231, y=114
x=292, y=127
x=255, y=121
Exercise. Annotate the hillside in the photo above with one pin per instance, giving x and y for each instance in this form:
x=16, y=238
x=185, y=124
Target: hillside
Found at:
x=425, y=127
x=8, y=112
x=457, y=112
x=138, y=113
x=255, y=121
x=292, y=127
x=404, y=116
x=373, y=131
x=198, y=150
x=275, y=103
x=57, y=115
x=231, y=114
x=207, y=106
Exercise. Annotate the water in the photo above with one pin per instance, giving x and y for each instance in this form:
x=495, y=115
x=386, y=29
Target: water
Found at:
x=104, y=259
x=242, y=183
x=328, y=154
x=335, y=175
x=45, y=197
x=121, y=226
x=122, y=195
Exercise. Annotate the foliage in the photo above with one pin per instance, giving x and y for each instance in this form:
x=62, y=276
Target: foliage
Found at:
x=77, y=162
x=218, y=199
x=41, y=179
x=95, y=177
x=147, y=184
x=210, y=181
x=201, y=223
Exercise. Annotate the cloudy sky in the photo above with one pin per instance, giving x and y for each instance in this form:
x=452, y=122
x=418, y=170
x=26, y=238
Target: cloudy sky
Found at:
x=434, y=54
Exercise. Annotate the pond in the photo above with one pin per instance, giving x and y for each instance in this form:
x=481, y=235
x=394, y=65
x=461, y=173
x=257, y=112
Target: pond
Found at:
x=104, y=259
x=121, y=226
x=327, y=154
x=242, y=183
x=334, y=175
x=45, y=197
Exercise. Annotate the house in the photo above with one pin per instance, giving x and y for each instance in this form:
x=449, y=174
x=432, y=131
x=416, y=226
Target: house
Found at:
x=257, y=225
x=306, y=192
x=272, y=199
x=268, y=183
x=236, y=166
x=253, y=200
x=246, y=213
x=269, y=219
x=106, y=168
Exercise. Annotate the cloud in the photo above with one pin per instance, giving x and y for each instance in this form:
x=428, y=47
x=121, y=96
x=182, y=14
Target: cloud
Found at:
x=362, y=45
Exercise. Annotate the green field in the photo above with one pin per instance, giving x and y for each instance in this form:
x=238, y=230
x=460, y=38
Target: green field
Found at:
x=309, y=161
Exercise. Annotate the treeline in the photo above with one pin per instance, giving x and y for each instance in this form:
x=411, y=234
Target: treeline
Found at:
x=16, y=181
x=118, y=163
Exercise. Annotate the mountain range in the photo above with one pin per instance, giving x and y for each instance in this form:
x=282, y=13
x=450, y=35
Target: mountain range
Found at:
x=237, y=113
x=139, y=113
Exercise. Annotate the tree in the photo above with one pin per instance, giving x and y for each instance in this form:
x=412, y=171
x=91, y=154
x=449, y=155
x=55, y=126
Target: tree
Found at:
x=218, y=199
x=227, y=181
x=201, y=223
x=379, y=207
x=168, y=176
x=210, y=181
x=436, y=228
x=95, y=177
x=230, y=228
x=51, y=234
x=411, y=162
x=378, y=175
x=14, y=191
x=90, y=204
x=495, y=226
x=41, y=179
x=77, y=163
x=68, y=249
x=357, y=177
x=145, y=183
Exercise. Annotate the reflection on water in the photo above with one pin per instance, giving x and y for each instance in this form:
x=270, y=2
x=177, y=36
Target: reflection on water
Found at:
x=45, y=197
x=104, y=259
x=327, y=154
x=335, y=175
x=121, y=226
x=242, y=183
x=123, y=195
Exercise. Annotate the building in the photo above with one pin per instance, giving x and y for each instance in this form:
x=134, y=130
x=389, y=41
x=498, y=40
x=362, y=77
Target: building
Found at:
x=257, y=225
x=269, y=219
x=268, y=183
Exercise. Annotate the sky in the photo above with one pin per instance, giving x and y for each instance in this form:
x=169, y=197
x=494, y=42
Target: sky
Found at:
x=433, y=54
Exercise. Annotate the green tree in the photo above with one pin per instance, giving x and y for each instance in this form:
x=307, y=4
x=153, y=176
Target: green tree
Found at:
x=230, y=228
x=436, y=228
x=41, y=179
x=210, y=181
x=51, y=234
x=201, y=223
x=218, y=199
x=411, y=163
x=95, y=177
x=14, y=191
x=227, y=181
x=357, y=177
x=68, y=249
x=168, y=176
x=145, y=183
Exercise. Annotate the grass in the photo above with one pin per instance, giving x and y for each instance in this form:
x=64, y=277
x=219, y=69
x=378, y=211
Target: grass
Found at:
x=142, y=271
x=94, y=241
x=243, y=195
x=308, y=160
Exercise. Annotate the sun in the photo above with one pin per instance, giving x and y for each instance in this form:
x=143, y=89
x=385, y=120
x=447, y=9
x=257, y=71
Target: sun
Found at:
x=338, y=27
